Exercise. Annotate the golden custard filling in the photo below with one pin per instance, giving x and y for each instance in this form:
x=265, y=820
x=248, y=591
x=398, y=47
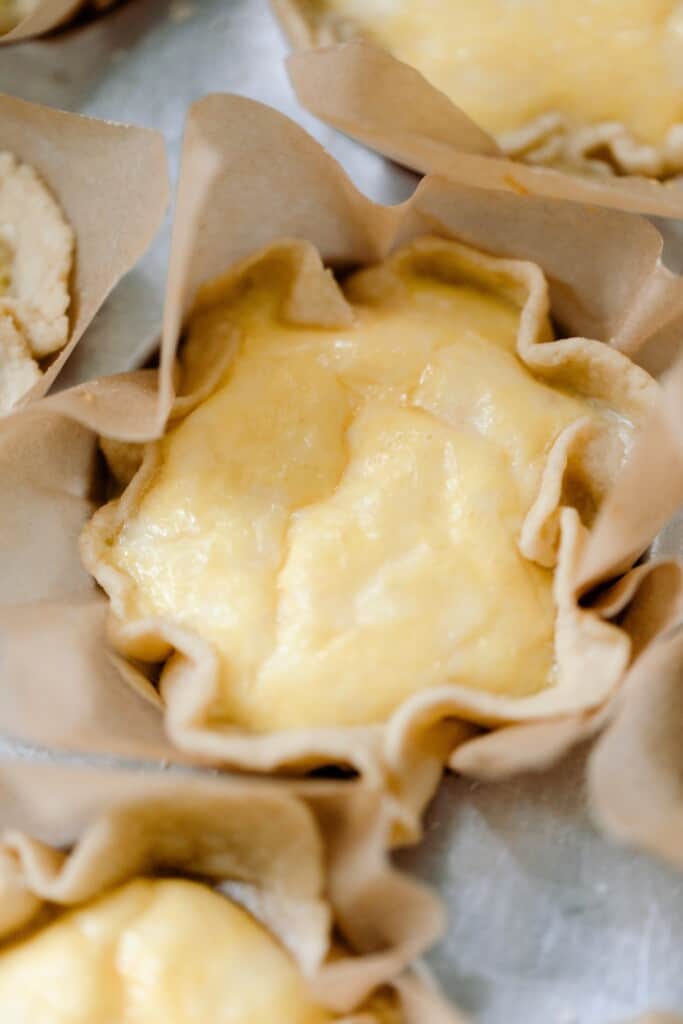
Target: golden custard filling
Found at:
x=340, y=518
x=506, y=62
x=154, y=951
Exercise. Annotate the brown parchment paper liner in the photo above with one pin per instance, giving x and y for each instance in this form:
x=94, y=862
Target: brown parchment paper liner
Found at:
x=635, y=771
x=49, y=14
x=309, y=860
x=597, y=150
x=390, y=106
x=111, y=182
x=246, y=167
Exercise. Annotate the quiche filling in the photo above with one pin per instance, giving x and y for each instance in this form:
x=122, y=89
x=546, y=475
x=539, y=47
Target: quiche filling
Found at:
x=340, y=517
x=152, y=951
x=506, y=62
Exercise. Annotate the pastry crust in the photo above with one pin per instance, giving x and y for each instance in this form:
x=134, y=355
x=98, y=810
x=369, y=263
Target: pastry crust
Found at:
x=36, y=249
x=18, y=369
x=591, y=653
x=308, y=861
x=603, y=149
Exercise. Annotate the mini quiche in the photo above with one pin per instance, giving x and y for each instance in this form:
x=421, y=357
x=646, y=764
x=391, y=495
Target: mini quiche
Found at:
x=36, y=252
x=156, y=950
x=372, y=487
x=592, y=87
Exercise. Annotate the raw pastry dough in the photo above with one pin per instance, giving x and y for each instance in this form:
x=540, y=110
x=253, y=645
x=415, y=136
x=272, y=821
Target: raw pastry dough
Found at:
x=341, y=515
x=536, y=74
x=153, y=951
x=36, y=247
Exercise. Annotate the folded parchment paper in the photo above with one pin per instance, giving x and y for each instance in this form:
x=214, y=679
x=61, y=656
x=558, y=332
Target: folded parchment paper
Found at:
x=385, y=103
x=308, y=860
x=249, y=177
x=111, y=182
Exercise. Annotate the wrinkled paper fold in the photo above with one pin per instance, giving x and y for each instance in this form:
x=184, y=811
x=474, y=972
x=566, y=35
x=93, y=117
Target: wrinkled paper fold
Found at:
x=111, y=183
x=307, y=859
x=390, y=106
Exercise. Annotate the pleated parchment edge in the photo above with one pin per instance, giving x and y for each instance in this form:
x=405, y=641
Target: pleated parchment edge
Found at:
x=392, y=108
x=111, y=184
